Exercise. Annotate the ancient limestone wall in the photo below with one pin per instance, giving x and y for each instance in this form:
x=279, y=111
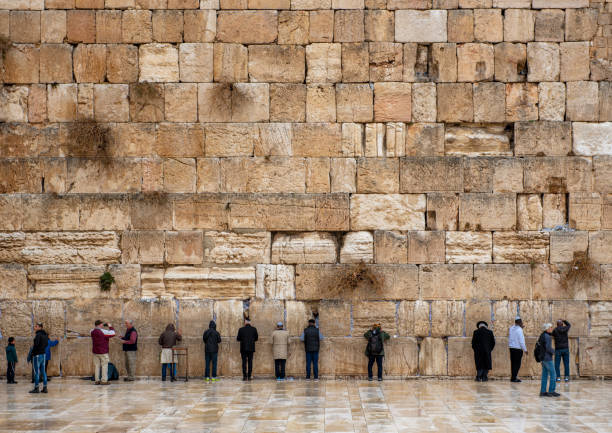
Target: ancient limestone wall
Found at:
x=218, y=156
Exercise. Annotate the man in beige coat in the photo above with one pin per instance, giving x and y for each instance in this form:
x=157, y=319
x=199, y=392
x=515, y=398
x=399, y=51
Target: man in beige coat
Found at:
x=280, y=344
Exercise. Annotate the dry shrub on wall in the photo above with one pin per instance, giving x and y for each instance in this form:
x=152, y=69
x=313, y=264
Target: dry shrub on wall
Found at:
x=5, y=46
x=581, y=271
x=88, y=138
x=350, y=278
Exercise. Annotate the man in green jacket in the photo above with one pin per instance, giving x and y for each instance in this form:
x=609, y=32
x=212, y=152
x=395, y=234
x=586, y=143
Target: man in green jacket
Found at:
x=11, y=360
x=375, y=350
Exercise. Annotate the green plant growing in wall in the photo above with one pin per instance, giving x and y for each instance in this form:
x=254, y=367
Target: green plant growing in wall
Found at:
x=106, y=281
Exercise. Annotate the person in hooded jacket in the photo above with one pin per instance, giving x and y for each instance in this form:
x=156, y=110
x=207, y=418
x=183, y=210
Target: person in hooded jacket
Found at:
x=562, y=348
x=211, y=338
x=280, y=350
x=375, y=349
x=483, y=342
x=167, y=340
x=312, y=338
x=41, y=340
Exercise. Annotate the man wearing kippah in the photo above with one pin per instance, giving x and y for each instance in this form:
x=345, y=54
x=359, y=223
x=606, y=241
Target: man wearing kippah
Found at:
x=516, y=343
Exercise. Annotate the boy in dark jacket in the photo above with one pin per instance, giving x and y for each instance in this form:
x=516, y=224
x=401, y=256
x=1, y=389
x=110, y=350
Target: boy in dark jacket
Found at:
x=312, y=338
x=562, y=348
x=11, y=360
x=41, y=340
x=247, y=335
x=375, y=350
x=211, y=349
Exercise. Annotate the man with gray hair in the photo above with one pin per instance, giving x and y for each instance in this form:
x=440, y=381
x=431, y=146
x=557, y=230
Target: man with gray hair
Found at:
x=130, y=349
x=548, y=369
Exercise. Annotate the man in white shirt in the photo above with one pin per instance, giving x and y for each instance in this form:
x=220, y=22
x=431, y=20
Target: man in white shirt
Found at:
x=516, y=342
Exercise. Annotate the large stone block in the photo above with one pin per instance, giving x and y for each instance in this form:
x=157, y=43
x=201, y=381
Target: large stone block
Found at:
x=357, y=247
x=184, y=247
x=317, y=139
x=275, y=282
x=122, y=63
x=349, y=26
x=446, y=318
x=354, y=103
x=365, y=314
x=136, y=26
x=321, y=26
x=16, y=318
x=152, y=315
x=210, y=282
x=401, y=357
x=50, y=213
x=580, y=24
x=592, y=139
x=377, y=175
x=446, y=281
x=599, y=246
x=455, y=102
x=557, y=175
x=575, y=61
x=468, y=247
x=552, y=101
x=67, y=248
x=14, y=282
x=65, y=281
x=315, y=282
x=265, y=314
x=543, y=138
x=55, y=63
x=442, y=211
x=575, y=312
x=82, y=313
x=487, y=211
x=519, y=25
x=433, y=357
x=601, y=320
x=520, y=247
x=158, y=63
x=426, y=247
x=510, y=62
x=145, y=247
x=304, y=248
x=595, y=356
x=194, y=317
x=390, y=247
x=276, y=63
x=293, y=27
x=538, y=313
x=582, y=101
x=585, y=211
x=475, y=62
x=475, y=311
x=392, y=102
x=425, y=174
x=387, y=212
x=543, y=59
x=14, y=104
x=565, y=245
x=320, y=103
x=199, y=25
x=287, y=102
x=476, y=140
x=521, y=102
x=228, y=247
x=21, y=64
x=421, y=26
x=502, y=282
x=247, y=27
x=230, y=316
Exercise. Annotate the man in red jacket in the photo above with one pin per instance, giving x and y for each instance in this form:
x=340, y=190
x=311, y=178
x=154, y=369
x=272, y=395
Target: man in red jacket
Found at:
x=99, y=340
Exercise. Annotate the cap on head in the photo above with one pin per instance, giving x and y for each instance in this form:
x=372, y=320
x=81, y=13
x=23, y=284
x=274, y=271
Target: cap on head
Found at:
x=279, y=324
x=518, y=320
x=546, y=326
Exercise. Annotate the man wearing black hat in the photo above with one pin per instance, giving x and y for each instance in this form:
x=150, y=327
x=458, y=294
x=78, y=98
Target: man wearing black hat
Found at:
x=483, y=343
x=247, y=335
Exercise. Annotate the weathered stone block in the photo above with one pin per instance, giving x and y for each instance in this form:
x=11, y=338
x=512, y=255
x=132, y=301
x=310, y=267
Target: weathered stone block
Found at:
x=542, y=138
x=184, y=247
x=65, y=281
x=152, y=316
x=595, y=356
x=544, y=61
x=287, y=102
x=455, y=103
x=320, y=103
x=550, y=25
x=53, y=26
x=392, y=102
x=488, y=25
x=582, y=101
x=234, y=248
x=379, y=25
x=553, y=210
x=16, y=318
x=502, y=282
x=248, y=27
x=585, y=211
x=529, y=212
x=520, y=247
x=487, y=211
x=275, y=282
x=122, y=63
x=519, y=25
x=158, y=63
x=564, y=245
x=510, y=62
x=357, y=247
x=426, y=247
x=211, y=282
x=575, y=312
x=15, y=284
x=433, y=357
x=315, y=282
x=348, y=26
x=590, y=139
x=55, y=63
x=229, y=314
x=475, y=62
x=445, y=281
x=196, y=62
x=468, y=247
x=81, y=26
x=599, y=246
x=276, y=63
x=390, y=247
x=557, y=175
x=601, y=319
x=476, y=141
x=421, y=26
x=199, y=25
x=580, y=24
x=521, y=102
x=387, y=212
x=293, y=27
x=136, y=26
x=167, y=26
x=426, y=174
x=354, y=103
x=377, y=175
x=552, y=101
x=321, y=26
x=442, y=211
x=365, y=314
x=47, y=213
x=575, y=61
x=230, y=63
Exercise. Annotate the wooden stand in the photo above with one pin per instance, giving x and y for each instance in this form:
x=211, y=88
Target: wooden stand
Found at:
x=182, y=351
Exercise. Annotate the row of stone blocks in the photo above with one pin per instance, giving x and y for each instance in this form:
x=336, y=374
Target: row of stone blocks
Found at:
x=490, y=102
x=405, y=357
x=524, y=217
x=337, y=318
x=299, y=27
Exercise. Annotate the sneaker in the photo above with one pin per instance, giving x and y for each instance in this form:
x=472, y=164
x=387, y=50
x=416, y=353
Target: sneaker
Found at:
x=380, y=379
x=207, y=379
x=214, y=379
x=543, y=394
x=370, y=379
x=34, y=391
x=567, y=379
x=44, y=390
x=244, y=379
x=554, y=394
x=558, y=379
x=316, y=380
x=516, y=380
x=278, y=379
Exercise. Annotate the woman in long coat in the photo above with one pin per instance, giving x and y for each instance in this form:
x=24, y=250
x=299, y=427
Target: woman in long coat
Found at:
x=483, y=343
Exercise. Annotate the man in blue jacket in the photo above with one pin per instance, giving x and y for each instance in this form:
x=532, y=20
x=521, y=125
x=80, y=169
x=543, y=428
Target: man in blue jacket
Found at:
x=548, y=368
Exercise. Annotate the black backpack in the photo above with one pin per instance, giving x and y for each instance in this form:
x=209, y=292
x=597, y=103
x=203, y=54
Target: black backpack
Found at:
x=540, y=349
x=375, y=344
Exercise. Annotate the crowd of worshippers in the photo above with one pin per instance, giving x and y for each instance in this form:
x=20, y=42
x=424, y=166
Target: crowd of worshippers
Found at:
x=483, y=342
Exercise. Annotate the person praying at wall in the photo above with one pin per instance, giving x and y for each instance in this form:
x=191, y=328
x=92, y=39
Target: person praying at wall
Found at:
x=483, y=343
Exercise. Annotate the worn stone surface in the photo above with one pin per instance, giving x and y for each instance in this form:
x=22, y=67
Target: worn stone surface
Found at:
x=468, y=247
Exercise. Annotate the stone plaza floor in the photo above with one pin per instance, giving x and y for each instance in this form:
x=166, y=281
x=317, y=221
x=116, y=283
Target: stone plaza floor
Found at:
x=230, y=405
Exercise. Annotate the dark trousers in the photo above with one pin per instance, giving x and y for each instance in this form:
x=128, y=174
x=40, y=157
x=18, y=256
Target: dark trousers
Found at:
x=10, y=372
x=279, y=368
x=210, y=358
x=379, y=364
x=562, y=354
x=247, y=364
x=171, y=367
x=312, y=358
x=516, y=355
x=482, y=374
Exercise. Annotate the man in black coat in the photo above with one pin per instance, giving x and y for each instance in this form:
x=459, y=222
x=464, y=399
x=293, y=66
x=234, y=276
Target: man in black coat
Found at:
x=247, y=335
x=483, y=343
x=211, y=349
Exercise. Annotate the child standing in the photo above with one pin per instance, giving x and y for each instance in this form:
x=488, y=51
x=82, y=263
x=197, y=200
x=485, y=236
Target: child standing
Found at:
x=11, y=360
